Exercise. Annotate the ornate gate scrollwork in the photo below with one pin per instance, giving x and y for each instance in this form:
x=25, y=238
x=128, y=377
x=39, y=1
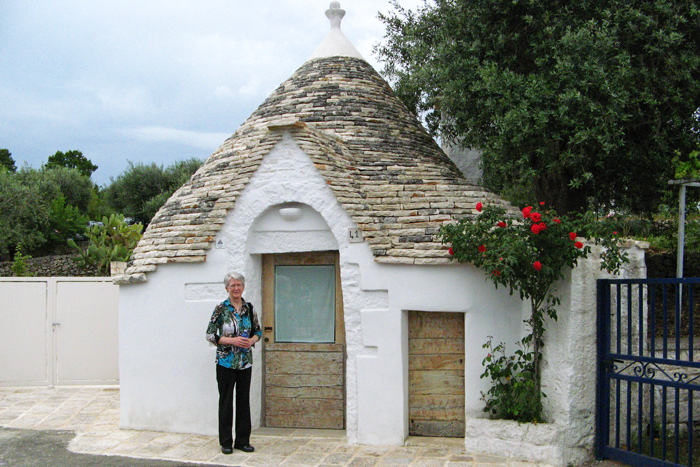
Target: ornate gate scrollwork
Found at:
x=648, y=379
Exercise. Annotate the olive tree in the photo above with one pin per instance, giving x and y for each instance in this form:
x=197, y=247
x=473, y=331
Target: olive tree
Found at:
x=570, y=102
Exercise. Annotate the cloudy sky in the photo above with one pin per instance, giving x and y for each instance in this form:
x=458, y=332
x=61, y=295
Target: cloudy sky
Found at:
x=153, y=80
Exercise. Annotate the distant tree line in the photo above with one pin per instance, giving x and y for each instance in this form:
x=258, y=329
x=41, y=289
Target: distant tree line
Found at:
x=40, y=209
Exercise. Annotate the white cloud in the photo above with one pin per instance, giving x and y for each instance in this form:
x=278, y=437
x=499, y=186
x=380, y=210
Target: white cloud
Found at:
x=224, y=92
x=124, y=100
x=202, y=140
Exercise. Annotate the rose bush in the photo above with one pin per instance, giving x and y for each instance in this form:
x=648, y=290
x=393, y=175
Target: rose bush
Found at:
x=527, y=255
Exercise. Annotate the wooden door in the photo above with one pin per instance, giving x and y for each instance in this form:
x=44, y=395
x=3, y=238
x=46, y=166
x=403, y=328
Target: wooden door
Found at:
x=304, y=335
x=436, y=374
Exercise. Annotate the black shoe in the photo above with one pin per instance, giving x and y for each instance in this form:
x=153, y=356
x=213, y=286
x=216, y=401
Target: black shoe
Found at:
x=244, y=447
x=226, y=450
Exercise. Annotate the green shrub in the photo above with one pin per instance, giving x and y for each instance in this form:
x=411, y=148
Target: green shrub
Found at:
x=19, y=267
x=513, y=394
x=113, y=241
x=65, y=221
x=663, y=236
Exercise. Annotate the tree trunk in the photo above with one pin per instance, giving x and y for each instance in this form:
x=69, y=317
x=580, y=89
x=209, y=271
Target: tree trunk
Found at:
x=553, y=188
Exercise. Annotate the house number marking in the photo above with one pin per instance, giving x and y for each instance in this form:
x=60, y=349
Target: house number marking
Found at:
x=355, y=235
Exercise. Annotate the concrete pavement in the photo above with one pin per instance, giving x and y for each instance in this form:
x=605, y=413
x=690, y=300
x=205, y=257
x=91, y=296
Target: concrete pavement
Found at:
x=92, y=413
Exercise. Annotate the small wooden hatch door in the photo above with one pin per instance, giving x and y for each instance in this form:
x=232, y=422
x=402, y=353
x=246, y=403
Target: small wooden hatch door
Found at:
x=436, y=374
x=304, y=337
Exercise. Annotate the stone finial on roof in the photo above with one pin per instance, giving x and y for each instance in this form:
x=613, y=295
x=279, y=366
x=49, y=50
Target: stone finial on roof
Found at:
x=335, y=14
x=336, y=44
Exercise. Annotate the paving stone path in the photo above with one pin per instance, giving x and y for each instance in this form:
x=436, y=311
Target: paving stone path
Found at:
x=87, y=420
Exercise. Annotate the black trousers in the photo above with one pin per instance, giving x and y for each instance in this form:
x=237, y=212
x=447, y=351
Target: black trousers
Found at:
x=227, y=379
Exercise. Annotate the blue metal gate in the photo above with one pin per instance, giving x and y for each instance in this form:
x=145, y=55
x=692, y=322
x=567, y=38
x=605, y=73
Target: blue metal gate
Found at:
x=648, y=372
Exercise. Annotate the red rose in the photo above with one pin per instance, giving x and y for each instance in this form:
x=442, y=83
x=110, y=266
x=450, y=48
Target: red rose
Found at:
x=479, y=206
x=541, y=203
x=615, y=232
x=526, y=211
x=496, y=272
x=578, y=245
x=535, y=228
x=537, y=265
x=451, y=251
x=543, y=226
x=482, y=248
x=536, y=217
x=572, y=236
x=501, y=224
x=556, y=220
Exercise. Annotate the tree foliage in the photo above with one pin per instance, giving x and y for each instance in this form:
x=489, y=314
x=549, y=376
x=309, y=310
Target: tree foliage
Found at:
x=65, y=221
x=72, y=159
x=688, y=166
x=42, y=207
x=24, y=216
x=570, y=102
x=7, y=161
x=143, y=188
x=76, y=188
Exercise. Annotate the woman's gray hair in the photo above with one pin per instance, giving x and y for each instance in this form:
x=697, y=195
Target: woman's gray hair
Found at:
x=233, y=275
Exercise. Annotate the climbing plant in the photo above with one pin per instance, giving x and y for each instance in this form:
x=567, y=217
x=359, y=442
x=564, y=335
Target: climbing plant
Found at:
x=527, y=255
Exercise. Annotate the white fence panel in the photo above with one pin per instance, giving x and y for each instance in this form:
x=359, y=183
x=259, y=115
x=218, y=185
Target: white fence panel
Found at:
x=58, y=331
x=24, y=341
x=87, y=341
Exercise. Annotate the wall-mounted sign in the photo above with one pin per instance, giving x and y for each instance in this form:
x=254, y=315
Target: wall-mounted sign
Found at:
x=355, y=235
x=220, y=244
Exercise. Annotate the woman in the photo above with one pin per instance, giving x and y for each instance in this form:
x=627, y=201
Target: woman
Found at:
x=234, y=329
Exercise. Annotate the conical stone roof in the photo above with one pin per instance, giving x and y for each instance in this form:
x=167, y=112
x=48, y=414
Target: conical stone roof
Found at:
x=389, y=175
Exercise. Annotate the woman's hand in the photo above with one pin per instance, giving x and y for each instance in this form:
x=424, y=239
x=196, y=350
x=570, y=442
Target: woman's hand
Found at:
x=243, y=342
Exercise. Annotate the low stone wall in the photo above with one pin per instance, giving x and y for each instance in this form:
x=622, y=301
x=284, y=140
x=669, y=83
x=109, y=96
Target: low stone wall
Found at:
x=541, y=443
x=51, y=266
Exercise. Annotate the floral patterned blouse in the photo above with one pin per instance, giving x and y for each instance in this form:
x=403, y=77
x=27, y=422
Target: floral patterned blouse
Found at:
x=226, y=322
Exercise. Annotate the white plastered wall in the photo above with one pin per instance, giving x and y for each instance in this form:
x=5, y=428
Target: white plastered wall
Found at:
x=167, y=367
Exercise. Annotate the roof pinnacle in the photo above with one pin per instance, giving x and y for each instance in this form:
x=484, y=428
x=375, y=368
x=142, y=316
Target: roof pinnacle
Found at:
x=336, y=44
x=335, y=14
